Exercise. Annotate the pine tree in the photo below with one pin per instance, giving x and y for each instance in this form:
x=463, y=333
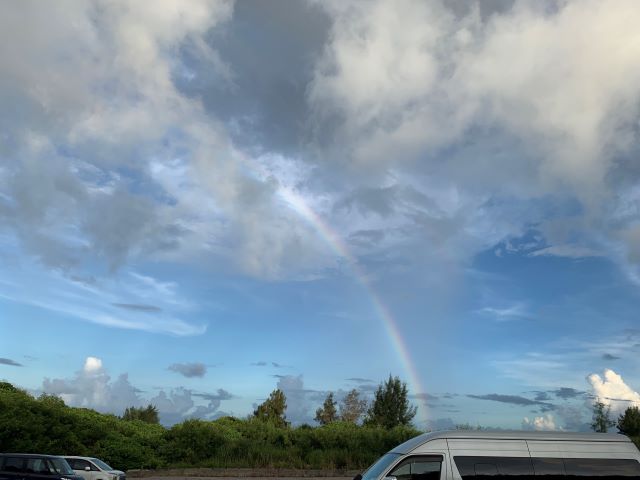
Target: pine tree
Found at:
x=273, y=409
x=327, y=413
x=391, y=407
x=601, y=421
x=629, y=422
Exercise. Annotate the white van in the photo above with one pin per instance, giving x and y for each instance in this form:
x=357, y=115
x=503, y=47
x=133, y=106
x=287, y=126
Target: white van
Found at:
x=466, y=455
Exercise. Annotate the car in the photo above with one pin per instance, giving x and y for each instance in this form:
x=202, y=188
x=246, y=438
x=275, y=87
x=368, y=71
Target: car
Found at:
x=91, y=468
x=467, y=455
x=33, y=466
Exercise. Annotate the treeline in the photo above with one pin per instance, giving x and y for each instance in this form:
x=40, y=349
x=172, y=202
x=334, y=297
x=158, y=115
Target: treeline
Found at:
x=266, y=439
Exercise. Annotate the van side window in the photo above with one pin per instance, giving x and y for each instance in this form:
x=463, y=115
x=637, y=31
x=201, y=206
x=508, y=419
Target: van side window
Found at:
x=13, y=464
x=601, y=467
x=418, y=468
x=502, y=467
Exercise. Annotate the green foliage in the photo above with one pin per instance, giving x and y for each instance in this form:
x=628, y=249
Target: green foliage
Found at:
x=273, y=409
x=47, y=425
x=391, y=407
x=147, y=415
x=327, y=413
x=629, y=422
x=352, y=407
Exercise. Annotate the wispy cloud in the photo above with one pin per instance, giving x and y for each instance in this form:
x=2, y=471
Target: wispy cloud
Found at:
x=505, y=314
x=138, y=307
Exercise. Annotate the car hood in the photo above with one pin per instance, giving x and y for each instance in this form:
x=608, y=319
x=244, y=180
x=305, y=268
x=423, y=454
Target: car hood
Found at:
x=116, y=472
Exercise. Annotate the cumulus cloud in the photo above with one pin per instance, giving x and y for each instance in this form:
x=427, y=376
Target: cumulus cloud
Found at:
x=189, y=370
x=545, y=422
x=92, y=387
x=612, y=390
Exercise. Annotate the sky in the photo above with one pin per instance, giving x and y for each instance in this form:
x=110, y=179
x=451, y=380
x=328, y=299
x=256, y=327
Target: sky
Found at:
x=202, y=201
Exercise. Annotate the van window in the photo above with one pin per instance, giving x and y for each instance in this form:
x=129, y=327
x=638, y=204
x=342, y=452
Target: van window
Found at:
x=503, y=467
x=548, y=466
x=418, y=468
x=601, y=467
x=38, y=466
x=80, y=464
x=13, y=464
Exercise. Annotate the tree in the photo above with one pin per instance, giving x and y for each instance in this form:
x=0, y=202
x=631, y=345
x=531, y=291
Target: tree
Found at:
x=147, y=415
x=391, y=406
x=629, y=422
x=601, y=421
x=352, y=408
x=273, y=409
x=327, y=413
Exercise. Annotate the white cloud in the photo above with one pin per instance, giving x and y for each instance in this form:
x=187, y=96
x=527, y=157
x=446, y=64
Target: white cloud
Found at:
x=612, y=390
x=92, y=365
x=92, y=387
x=546, y=422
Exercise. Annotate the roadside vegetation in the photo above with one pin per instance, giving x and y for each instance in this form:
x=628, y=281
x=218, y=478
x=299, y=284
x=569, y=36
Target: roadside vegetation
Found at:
x=265, y=439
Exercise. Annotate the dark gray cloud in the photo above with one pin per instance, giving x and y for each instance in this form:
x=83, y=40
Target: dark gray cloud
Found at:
x=8, y=361
x=542, y=396
x=609, y=357
x=270, y=49
x=567, y=393
x=360, y=380
x=221, y=394
x=259, y=364
x=511, y=399
x=189, y=370
x=138, y=307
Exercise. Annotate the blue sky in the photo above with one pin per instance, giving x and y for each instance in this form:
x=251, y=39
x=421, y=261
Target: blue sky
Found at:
x=204, y=201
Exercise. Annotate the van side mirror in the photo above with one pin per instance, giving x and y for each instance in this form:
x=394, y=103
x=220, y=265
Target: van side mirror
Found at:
x=358, y=477
x=87, y=469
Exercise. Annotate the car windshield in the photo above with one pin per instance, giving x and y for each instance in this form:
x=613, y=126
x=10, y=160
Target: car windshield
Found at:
x=378, y=468
x=61, y=466
x=101, y=464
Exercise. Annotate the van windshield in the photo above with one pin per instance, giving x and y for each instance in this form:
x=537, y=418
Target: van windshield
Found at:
x=101, y=464
x=378, y=468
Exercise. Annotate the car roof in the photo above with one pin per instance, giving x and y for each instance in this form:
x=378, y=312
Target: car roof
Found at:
x=415, y=442
x=79, y=457
x=41, y=455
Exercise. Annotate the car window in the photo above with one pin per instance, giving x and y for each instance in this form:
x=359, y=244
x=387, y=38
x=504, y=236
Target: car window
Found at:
x=13, y=464
x=37, y=465
x=418, y=468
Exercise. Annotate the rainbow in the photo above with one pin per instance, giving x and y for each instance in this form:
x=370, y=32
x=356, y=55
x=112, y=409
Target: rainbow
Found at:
x=335, y=241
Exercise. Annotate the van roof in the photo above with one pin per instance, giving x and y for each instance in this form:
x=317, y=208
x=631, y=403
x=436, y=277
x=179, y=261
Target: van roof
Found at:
x=415, y=442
